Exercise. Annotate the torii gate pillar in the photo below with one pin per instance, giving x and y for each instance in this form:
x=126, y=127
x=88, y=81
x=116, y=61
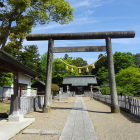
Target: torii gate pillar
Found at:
x=114, y=98
x=46, y=107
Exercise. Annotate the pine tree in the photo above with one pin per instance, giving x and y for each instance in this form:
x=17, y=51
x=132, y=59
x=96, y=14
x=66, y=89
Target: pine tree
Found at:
x=30, y=57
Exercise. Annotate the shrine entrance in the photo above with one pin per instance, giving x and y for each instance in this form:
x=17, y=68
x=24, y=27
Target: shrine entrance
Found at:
x=78, y=36
x=77, y=85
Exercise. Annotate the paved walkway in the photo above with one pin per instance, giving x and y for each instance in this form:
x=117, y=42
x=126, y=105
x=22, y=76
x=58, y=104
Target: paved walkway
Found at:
x=108, y=126
x=9, y=129
x=78, y=125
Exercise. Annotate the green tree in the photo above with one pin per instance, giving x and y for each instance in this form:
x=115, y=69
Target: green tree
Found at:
x=14, y=48
x=59, y=70
x=128, y=81
x=42, y=67
x=18, y=17
x=100, y=63
x=137, y=59
x=55, y=88
x=122, y=60
x=5, y=79
x=102, y=76
x=65, y=56
x=105, y=89
x=79, y=62
x=30, y=57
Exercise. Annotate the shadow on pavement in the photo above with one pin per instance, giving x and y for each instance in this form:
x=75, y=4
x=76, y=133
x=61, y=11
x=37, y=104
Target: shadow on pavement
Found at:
x=80, y=109
x=131, y=117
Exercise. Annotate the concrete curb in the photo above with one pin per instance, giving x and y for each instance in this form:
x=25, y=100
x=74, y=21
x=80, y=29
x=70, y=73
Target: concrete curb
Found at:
x=10, y=129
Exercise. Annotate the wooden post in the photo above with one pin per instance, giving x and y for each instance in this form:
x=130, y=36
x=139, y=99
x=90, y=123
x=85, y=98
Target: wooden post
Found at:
x=112, y=82
x=46, y=106
x=14, y=107
x=15, y=115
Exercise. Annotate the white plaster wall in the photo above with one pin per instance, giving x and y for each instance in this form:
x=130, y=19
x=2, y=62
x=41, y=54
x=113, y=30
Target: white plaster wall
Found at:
x=9, y=91
x=25, y=80
x=6, y=91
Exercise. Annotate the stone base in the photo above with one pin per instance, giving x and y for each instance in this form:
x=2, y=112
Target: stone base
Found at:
x=48, y=110
x=115, y=109
x=16, y=118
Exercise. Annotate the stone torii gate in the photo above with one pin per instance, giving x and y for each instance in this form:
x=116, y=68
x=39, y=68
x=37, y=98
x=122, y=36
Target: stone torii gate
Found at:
x=77, y=36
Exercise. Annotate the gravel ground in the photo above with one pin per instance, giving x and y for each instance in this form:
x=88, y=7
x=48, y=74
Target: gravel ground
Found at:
x=54, y=120
x=108, y=126
x=112, y=126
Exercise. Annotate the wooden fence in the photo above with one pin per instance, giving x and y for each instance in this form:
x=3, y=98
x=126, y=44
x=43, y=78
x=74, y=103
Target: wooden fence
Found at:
x=29, y=104
x=126, y=103
x=64, y=95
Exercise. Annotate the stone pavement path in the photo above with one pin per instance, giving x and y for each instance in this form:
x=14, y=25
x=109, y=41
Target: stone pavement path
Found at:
x=107, y=125
x=52, y=121
x=78, y=125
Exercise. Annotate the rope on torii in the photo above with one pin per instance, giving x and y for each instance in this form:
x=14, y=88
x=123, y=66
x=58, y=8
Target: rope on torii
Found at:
x=79, y=68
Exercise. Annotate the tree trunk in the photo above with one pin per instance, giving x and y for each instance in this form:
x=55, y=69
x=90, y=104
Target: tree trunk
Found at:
x=7, y=32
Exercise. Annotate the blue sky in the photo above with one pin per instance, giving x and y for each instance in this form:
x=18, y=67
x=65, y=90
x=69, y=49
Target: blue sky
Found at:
x=96, y=16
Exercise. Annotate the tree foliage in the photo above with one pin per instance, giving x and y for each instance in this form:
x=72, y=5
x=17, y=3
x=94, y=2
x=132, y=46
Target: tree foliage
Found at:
x=137, y=59
x=55, y=88
x=30, y=57
x=18, y=17
x=42, y=67
x=79, y=62
x=100, y=63
x=128, y=81
x=122, y=60
x=126, y=73
x=5, y=79
x=59, y=68
x=102, y=76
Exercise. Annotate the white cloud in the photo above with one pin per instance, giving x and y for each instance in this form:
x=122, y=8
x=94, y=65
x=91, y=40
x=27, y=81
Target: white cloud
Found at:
x=89, y=3
x=55, y=27
x=46, y=27
x=78, y=4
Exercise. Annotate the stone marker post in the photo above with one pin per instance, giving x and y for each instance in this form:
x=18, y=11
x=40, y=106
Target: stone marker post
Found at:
x=68, y=88
x=112, y=82
x=46, y=107
x=91, y=91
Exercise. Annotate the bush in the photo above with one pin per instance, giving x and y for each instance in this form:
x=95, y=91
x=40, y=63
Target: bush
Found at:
x=55, y=88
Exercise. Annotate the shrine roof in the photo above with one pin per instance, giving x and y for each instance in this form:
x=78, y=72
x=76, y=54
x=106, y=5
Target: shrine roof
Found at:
x=9, y=64
x=83, y=80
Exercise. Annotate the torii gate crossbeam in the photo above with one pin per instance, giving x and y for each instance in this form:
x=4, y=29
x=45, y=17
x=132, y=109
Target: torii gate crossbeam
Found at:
x=86, y=35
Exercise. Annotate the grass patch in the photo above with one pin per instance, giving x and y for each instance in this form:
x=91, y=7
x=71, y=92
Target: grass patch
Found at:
x=4, y=107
